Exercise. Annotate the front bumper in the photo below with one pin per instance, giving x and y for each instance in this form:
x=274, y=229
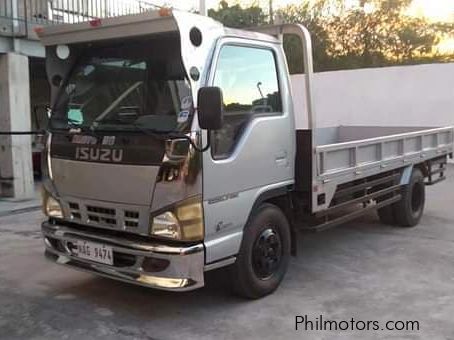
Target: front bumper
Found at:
x=178, y=268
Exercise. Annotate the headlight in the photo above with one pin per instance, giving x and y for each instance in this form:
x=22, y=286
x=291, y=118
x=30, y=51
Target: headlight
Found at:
x=51, y=207
x=166, y=225
x=184, y=222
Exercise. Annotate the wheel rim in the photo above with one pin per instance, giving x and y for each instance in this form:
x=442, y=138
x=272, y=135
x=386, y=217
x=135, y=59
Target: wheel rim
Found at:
x=417, y=198
x=266, y=254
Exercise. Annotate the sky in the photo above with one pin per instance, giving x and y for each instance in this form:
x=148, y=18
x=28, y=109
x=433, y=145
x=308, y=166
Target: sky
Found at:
x=432, y=9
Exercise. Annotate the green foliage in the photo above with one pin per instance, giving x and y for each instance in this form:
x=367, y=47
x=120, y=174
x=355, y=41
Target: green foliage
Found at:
x=312, y=18
x=383, y=34
x=376, y=33
x=373, y=34
x=235, y=16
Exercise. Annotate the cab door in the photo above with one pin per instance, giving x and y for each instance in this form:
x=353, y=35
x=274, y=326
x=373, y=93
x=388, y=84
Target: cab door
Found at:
x=254, y=150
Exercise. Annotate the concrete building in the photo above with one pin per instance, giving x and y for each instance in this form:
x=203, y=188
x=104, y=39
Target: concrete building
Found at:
x=24, y=90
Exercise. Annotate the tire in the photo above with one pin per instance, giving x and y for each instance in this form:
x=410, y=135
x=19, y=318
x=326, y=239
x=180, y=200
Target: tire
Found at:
x=409, y=210
x=264, y=253
x=386, y=215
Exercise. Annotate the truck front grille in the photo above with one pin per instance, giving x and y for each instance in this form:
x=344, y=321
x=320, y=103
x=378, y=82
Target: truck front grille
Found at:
x=101, y=215
x=75, y=211
x=131, y=219
x=104, y=216
x=100, y=210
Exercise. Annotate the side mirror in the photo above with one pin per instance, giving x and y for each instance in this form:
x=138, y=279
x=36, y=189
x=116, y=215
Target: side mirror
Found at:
x=210, y=108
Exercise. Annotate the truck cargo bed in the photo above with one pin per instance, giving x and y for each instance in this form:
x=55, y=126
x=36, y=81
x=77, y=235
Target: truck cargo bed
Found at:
x=348, y=153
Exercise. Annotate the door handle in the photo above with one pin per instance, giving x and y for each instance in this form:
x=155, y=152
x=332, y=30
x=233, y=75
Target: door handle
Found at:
x=281, y=158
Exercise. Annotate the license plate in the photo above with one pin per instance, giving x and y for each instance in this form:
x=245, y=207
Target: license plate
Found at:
x=94, y=251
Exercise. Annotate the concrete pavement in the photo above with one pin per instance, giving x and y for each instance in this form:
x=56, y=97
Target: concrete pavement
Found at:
x=9, y=206
x=362, y=270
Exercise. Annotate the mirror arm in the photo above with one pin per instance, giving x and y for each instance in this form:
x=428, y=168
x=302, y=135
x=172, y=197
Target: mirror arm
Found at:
x=208, y=142
x=194, y=145
x=206, y=147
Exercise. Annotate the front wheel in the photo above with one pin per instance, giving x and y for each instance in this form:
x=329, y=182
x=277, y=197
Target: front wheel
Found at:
x=264, y=254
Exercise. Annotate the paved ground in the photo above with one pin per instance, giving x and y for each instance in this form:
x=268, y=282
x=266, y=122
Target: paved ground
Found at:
x=11, y=205
x=363, y=270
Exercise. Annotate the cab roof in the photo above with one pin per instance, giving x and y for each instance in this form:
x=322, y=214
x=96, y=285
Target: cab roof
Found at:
x=133, y=25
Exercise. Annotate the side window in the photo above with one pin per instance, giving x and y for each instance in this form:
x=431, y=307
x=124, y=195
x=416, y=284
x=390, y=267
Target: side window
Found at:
x=249, y=82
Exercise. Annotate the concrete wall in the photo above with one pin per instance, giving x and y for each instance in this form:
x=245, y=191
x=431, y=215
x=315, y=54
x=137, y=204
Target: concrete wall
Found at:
x=421, y=95
x=16, y=174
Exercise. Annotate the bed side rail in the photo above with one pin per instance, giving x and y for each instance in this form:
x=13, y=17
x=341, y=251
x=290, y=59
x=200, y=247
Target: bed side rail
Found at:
x=352, y=160
x=436, y=170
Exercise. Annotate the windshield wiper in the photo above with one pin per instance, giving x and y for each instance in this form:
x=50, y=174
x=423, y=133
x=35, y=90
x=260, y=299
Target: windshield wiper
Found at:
x=70, y=124
x=96, y=123
x=159, y=134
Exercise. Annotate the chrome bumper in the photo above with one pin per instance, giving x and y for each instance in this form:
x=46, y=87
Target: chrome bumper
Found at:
x=176, y=269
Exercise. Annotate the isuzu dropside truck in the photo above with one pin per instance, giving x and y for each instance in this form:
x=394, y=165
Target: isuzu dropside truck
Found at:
x=172, y=150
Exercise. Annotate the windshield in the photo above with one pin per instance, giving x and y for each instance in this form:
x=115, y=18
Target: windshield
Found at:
x=125, y=87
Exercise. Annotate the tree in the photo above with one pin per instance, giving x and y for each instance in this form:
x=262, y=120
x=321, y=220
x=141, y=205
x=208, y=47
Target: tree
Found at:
x=374, y=33
x=382, y=35
x=238, y=17
x=310, y=16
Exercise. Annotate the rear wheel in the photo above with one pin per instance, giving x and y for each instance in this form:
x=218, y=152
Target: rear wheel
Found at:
x=264, y=254
x=409, y=210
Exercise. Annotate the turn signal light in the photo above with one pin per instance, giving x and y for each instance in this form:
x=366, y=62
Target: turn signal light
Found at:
x=165, y=12
x=38, y=29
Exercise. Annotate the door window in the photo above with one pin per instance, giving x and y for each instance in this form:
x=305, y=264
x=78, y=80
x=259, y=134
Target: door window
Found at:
x=249, y=82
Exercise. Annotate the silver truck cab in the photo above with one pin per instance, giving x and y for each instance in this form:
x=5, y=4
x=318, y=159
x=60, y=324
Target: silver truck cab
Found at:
x=158, y=211
x=172, y=150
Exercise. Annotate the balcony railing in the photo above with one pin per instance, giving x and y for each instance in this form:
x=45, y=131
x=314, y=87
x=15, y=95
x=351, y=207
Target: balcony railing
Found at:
x=18, y=17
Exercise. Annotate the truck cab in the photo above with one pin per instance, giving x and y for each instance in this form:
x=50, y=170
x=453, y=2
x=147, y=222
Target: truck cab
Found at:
x=172, y=150
x=128, y=192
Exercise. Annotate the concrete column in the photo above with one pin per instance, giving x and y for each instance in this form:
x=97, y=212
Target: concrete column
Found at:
x=203, y=7
x=16, y=169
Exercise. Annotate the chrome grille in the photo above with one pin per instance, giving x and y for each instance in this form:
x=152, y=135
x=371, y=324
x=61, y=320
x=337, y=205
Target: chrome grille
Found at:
x=104, y=216
x=101, y=215
x=75, y=211
x=131, y=219
x=100, y=210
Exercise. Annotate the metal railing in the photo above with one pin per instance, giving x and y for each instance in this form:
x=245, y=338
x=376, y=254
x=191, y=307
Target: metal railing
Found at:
x=18, y=17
